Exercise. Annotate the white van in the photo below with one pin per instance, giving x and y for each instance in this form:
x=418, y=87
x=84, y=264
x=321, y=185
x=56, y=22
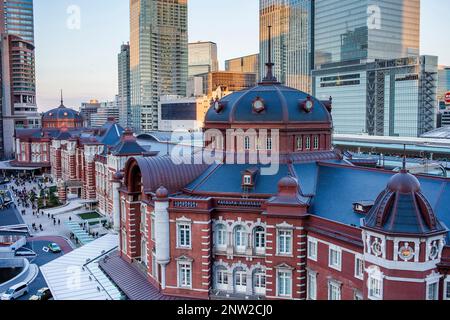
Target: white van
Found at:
x=15, y=292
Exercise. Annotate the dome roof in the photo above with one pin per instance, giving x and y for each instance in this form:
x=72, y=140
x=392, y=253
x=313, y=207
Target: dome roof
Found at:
x=62, y=113
x=269, y=102
x=402, y=209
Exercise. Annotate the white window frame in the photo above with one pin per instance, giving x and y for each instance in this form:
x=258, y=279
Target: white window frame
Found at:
x=338, y=290
x=312, y=249
x=359, y=267
x=299, y=143
x=247, y=143
x=259, y=283
x=338, y=264
x=124, y=242
x=240, y=275
x=269, y=143
x=259, y=236
x=287, y=272
x=247, y=179
x=316, y=143
x=436, y=290
x=375, y=293
x=184, y=267
x=223, y=284
x=187, y=236
x=220, y=228
x=311, y=285
x=446, y=288
x=243, y=238
x=308, y=143
x=285, y=234
x=152, y=227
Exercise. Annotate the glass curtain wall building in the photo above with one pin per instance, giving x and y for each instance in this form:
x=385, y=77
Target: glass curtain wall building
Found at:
x=18, y=18
x=347, y=30
x=443, y=85
x=292, y=24
x=202, y=58
x=158, y=57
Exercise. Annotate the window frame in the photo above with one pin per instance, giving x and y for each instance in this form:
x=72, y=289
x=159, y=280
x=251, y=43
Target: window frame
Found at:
x=359, y=275
x=181, y=225
x=312, y=241
x=289, y=278
x=334, y=285
x=338, y=250
x=184, y=266
x=311, y=275
x=279, y=242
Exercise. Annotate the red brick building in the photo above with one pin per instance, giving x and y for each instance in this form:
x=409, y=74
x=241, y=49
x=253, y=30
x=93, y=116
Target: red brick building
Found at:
x=317, y=228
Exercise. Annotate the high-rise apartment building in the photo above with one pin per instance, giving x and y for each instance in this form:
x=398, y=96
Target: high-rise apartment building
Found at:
x=124, y=86
x=248, y=63
x=202, y=58
x=158, y=57
x=347, y=30
x=292, y=23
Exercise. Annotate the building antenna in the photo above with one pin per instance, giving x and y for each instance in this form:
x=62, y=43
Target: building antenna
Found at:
x=62, y=99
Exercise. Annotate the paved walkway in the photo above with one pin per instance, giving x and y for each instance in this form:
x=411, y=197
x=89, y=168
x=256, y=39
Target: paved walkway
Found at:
x=65, y=245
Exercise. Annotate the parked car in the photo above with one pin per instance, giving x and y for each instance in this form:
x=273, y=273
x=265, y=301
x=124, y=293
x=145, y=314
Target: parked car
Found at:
x=53, y=247
x=15, y=291
x=42, y=294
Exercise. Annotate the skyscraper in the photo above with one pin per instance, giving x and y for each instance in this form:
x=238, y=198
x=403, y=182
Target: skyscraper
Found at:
x=124, y=86
x=248, y=63
x=347, y=30
x=18, y=18
x=202, y=58
x=443, y=86
x=158, y=57
x=18, y=102
x=292, y=40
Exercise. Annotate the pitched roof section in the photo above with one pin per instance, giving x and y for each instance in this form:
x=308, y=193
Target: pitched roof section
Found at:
x=128, y=145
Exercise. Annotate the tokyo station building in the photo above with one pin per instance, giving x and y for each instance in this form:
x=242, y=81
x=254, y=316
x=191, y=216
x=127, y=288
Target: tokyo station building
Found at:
x=81, y=160
x=319, y=228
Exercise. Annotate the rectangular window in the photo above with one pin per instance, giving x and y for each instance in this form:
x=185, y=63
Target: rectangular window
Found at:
x=284, y=283
x=284, y=242
x=375, y=288
x=246, y=143
x=269, y=144
x=359, y=267
x=312, y=249
x=312, y=286
x=152, y=228
x=299, y=143
x=184, y=235
x=316, y=143
x=247, y=180
x=334, y=260
x=447, y=289
x=222, y=277
x=308, y=143
x=334, y=291
x=433, y=291
x=184, y=275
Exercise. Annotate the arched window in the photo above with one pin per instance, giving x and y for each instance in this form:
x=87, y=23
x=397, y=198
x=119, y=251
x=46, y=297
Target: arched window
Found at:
x=221, y=278
x=259, y=282
x=220, y=236
x=239, y=238
x=240, y=280
x=259, y=236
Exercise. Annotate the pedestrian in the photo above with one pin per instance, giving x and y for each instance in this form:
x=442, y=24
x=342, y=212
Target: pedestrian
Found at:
x=59, y=222
x=48, y=214
x=40, y=227
x=70, y=218
x=54, y=222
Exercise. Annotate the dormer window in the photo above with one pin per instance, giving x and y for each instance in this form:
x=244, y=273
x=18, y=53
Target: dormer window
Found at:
x=249, y=177
x=362, y=207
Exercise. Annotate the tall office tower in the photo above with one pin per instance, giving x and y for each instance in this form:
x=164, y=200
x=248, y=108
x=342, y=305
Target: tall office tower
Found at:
x=347, y=30
x=443, y=87
x=227, y=81
x=384, y=98
x=202, y=58
x=108, y=111
x=124, y=86
x=248, y=63
x=292, y=40
x=158, y=57
x=87, y=109
x=18, y=18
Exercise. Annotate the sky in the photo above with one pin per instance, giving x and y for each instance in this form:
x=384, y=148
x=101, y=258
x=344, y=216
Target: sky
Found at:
x=81, y=58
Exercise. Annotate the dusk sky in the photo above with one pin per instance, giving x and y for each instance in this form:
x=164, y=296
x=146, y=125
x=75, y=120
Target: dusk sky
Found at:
x=83, y=62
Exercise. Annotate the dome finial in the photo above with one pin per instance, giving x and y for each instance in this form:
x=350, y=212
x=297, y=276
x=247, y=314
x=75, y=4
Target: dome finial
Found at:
x=404, y=159
x=269, y=75
x=62, y=99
